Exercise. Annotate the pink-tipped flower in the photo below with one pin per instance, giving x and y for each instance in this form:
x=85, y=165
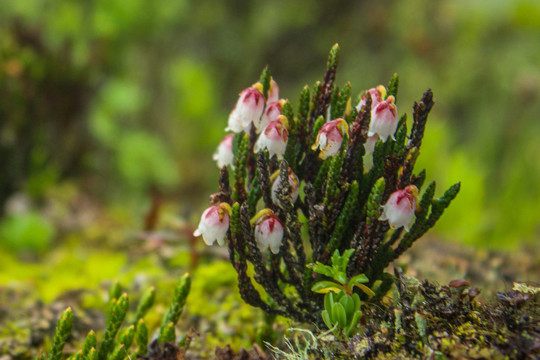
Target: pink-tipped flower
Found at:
x=273, y=92
x=369, y=145
x=271, y=113
x=224, y=155
x=214, y=224
x=274, y=138
x=384, y=119
x=247, y=110
x=377, y=95
x=330, y=137
x=293, y=182
x=400, y=208
x=268, y=231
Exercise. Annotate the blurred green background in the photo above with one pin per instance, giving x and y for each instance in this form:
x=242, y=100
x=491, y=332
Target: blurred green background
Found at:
x=116, y=101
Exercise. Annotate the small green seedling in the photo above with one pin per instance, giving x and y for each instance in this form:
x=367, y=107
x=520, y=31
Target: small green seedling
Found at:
x=338, y=272
x=341, y=305
x=341, y=313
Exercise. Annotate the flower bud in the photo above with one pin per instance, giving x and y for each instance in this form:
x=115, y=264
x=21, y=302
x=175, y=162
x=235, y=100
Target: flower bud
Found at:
x=268, y=231
x=384, y=119
x=224, y=154
x=274, y=138
x=330, y=137
x=293, y=182
x=247, y=110
x=400, y=207
x=214, y=224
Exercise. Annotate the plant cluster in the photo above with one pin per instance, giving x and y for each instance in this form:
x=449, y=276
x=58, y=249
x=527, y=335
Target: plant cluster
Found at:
x=119, y=343
x=302, y=188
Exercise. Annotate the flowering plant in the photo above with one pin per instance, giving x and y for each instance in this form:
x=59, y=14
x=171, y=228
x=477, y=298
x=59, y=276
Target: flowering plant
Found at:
x=300, y=191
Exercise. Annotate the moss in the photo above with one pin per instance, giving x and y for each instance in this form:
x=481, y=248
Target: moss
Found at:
x=222, y=316
x=443, y=322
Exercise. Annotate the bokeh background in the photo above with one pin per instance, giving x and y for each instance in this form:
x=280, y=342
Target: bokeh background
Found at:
x=108, y=106
x=110, y=111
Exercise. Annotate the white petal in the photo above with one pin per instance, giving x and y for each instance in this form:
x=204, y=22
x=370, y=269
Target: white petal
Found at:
x=234, y=123
x=277, y=148
x=274, y=241
x=223, y=156
x=360, y=104
x=221, y=240
x=322, y=141
x=331, y=149
x=261, y=241
x=208, y=240
x=258, y=144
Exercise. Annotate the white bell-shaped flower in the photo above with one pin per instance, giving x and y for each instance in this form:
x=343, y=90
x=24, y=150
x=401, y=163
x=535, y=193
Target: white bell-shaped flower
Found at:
x=214, y=224
x=224, y=154
x=400, y=208
x=268, y=231
x=274, y=138
x=330, y=137
x=384, y=119
x=248, y=109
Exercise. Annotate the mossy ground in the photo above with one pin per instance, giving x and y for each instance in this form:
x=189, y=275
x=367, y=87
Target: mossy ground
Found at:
x=424, y=320
x=421, y=318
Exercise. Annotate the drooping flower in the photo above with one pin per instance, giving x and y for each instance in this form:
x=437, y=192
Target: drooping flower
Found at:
x=271, y=113
x=293, y=182
x=248, y=109
x=224, y=154
x=377, y=95
x=384, y=119
x=268, y=231
x=214, y=224
x=330, y=137
x=369, y=145
x=273, y=92
x=274, y=138
x=400, y=208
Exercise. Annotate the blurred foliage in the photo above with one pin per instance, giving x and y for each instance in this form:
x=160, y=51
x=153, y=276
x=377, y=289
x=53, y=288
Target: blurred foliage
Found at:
x=129, y=99
x=66, y=269
x=24, y=233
